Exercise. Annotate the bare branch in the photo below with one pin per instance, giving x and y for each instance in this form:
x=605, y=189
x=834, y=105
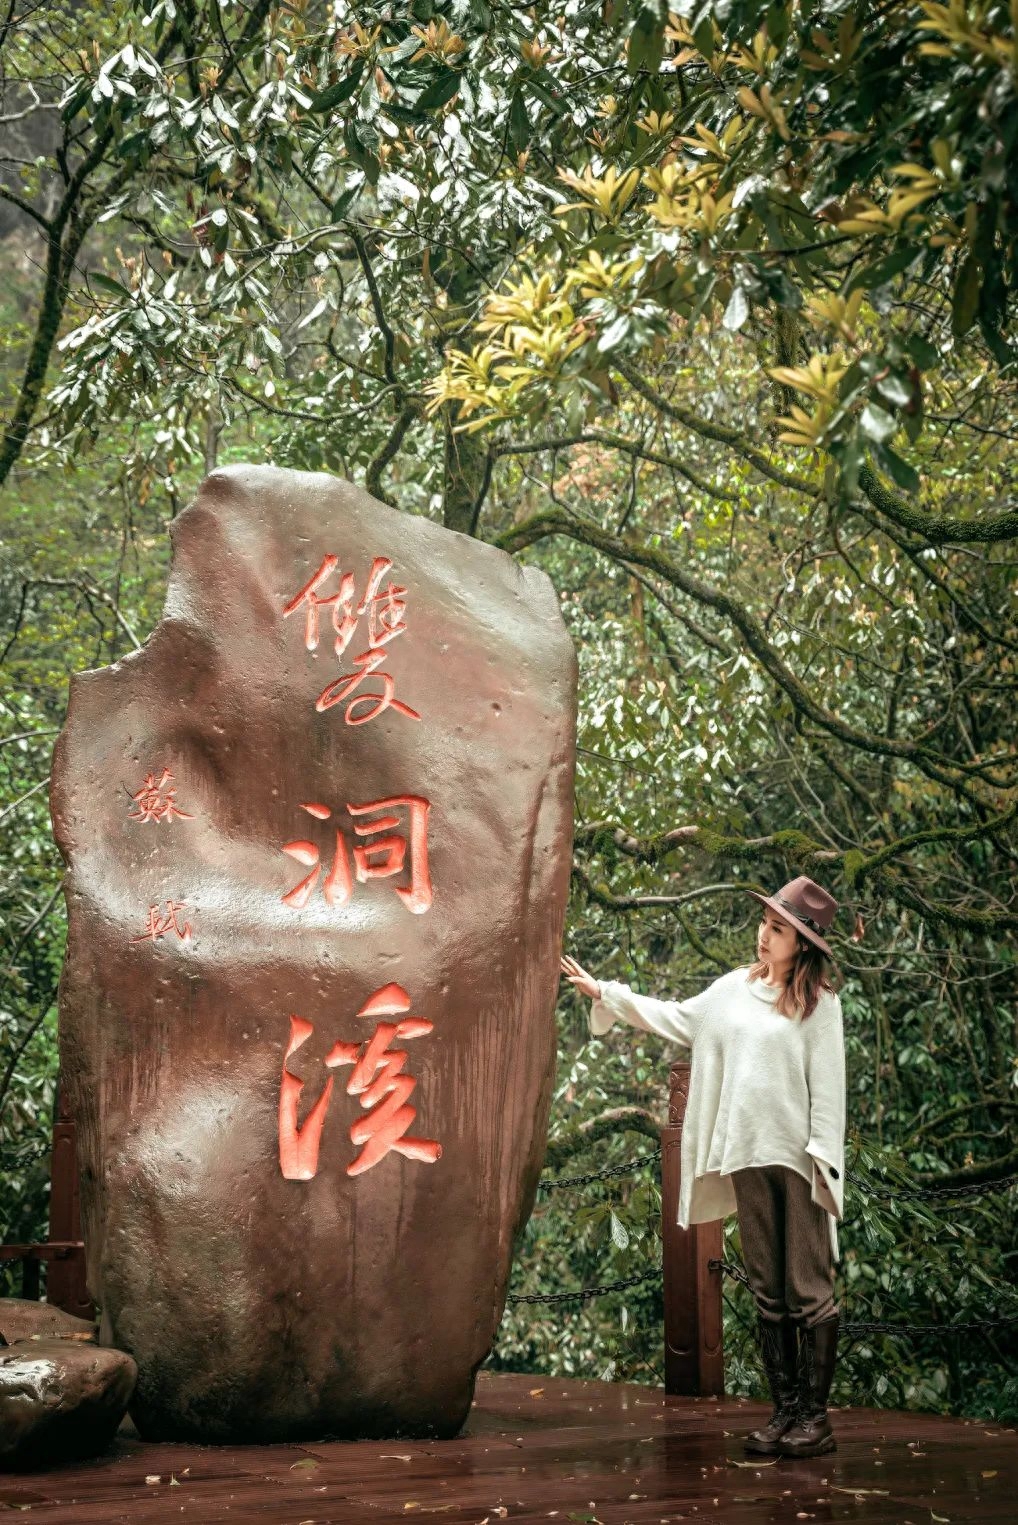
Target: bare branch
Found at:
x=707, y=428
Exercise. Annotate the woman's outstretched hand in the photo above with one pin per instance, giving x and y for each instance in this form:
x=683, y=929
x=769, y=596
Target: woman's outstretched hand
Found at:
x=578, y=976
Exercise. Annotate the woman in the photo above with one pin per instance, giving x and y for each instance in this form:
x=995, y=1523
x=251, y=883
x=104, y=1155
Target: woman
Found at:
x=764, y=1136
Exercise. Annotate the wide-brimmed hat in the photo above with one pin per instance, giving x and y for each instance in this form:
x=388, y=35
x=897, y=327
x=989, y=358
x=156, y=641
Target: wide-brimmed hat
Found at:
x=807, y=905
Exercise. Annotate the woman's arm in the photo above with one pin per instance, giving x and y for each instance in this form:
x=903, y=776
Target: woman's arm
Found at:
x=612, y=1001
x=675, y=1020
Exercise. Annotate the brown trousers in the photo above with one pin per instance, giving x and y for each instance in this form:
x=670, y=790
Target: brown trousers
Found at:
x=786, y=1244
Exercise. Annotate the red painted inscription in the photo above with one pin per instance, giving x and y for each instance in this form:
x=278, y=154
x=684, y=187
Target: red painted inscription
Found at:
x=385, y=609
x=382, y=854
x=156, y=801
x=159, y=923
x=377, y=1078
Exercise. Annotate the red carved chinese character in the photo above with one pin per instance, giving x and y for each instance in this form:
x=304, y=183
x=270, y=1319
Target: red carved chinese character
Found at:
x=381, y=858
x=378, y=1080
x=341, y=688
x=155, y=802
x=158, y=924
x=385, y=610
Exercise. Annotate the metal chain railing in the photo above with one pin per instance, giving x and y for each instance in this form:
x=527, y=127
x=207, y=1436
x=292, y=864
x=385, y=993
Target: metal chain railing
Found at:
x=17, y=1157
x=888, y=1194
x=849, y=1330
x=881, y=1326
x=582, y=1294
x=929, y=1193
x=609, y=1173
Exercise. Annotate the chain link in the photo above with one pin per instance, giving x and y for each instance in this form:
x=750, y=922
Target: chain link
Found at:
x=930, y=1193
x=584, y=1293
x=608, y=1174
x=887, y=1194
x=17, y=1159
x=878, y=1326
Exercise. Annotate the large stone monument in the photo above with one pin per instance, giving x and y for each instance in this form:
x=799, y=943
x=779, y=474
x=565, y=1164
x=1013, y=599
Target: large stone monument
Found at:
x=318, y=840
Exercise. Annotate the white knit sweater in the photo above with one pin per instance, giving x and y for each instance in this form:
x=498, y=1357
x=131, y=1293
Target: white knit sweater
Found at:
x=764, y=1089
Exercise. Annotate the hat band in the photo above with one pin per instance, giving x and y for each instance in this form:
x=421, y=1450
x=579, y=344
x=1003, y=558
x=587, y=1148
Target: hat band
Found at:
x=815, y=925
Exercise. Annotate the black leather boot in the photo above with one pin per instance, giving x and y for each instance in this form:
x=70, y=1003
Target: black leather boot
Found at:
x=778, y=1353
x=811, y=1434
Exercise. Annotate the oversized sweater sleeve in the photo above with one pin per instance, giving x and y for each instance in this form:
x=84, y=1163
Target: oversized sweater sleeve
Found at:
x=825, y=1077
x=677, y=1020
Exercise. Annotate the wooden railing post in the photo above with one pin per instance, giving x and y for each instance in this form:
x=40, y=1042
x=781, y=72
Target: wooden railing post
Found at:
x=694, y=1358
x=65, y=1278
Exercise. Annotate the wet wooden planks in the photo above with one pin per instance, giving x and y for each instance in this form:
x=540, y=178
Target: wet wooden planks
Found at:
x=540, y=1449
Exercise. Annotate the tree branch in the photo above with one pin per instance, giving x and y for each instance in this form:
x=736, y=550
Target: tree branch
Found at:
x=388, y=452
x=603, y=895
x=707, y=429
x=624, y=548
x=575, y=1140
x=935, y=529
x=627, y=446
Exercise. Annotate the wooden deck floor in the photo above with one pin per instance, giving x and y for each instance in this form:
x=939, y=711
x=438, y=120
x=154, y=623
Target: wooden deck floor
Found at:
x=537, y=1449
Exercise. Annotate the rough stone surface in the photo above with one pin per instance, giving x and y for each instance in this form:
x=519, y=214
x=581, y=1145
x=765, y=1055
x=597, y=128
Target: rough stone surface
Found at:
x=60, y=1400
x=21, y=1319
x=204, y=990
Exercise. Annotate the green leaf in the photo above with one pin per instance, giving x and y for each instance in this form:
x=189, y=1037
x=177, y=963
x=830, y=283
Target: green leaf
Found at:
x=737, y=310
x=405, y=114
x=614, y=333
x=76, y=101
x=134, y=146
x=646, y=41
x=883, y=270
x=441, y=90
x=107, y=283
x=620, y=1235
x=897, y=469
x=335, y=95
x=344, y=201
x=876, y=424
x=895, y=390
x=782, y=289
x=925, y=355
x=554, y=103
x=519, y=122
x=778, y=21
x=965, y=299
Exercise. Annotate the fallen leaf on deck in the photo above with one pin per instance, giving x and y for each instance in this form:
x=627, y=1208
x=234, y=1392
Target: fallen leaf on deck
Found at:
x=860, y=1493
x=754, y=1463
x=153, y=1477
x=305, y=1465
x=394, y=1456
x=987, y=1474
x=537, y=1392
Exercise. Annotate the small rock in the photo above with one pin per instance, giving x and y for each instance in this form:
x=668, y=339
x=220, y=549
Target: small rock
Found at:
x=60, y=1400
x=24, y=1320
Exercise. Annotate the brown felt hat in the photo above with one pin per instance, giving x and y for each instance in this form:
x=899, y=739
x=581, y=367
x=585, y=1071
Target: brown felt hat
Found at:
x=807, y=905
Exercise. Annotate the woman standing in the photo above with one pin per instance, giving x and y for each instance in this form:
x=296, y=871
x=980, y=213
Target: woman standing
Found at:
x=764, y=1136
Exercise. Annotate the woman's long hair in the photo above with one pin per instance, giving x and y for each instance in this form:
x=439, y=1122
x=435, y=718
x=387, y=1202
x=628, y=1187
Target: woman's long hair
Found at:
x=809, y=978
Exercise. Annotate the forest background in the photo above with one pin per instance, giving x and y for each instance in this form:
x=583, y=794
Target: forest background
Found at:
x=708, y=312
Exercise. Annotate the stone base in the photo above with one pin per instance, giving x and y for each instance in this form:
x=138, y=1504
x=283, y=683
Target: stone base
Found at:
x=61, y=1400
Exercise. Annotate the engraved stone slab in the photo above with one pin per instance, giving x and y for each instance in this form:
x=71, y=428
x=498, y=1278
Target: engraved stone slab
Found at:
x=318, y=834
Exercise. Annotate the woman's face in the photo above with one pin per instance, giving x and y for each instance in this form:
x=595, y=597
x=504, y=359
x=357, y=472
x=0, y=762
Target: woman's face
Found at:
x=777, y=941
